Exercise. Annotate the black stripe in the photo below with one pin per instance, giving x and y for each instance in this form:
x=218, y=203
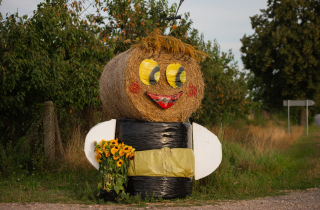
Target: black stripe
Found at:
x=178, y=81
x=152, y=79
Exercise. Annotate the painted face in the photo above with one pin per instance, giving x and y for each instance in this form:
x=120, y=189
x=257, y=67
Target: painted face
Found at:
x=149, y=73
x=164, y=87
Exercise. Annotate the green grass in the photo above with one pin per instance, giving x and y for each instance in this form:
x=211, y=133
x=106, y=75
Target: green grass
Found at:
x=243, y=174
x=54, y=187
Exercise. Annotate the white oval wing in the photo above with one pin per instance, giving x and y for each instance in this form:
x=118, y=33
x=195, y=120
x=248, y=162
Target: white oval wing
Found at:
x=105, y=130
x=207, y=151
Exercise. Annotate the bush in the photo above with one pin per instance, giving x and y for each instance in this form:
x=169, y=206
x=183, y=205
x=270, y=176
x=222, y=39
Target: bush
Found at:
x=20, y=158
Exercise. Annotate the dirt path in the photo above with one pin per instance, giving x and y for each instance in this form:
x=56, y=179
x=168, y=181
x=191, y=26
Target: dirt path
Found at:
x=297, y=200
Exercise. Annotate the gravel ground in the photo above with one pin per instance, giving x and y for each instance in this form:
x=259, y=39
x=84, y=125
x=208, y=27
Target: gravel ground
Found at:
x=297, y=200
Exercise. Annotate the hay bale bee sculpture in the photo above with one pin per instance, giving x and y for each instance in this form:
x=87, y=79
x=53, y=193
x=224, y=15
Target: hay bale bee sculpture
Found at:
x=149, y=91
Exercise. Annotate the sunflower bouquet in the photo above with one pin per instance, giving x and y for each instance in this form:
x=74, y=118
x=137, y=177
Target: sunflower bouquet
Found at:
x=113, y=158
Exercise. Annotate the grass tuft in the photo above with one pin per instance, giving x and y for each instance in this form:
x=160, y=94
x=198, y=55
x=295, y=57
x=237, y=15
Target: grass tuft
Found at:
x=259, y=138
x=74, y=156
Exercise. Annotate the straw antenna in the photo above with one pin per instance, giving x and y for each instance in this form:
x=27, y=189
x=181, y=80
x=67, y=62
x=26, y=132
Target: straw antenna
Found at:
x=175, y=17
x=171, y=18
x=179, y=7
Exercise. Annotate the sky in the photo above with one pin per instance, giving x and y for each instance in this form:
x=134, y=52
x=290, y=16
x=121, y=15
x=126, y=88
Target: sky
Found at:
x=226, y=21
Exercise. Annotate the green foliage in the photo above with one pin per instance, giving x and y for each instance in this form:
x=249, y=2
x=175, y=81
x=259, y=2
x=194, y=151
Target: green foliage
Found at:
x=20, y=158
x=284, y=51
x=125, y=198
x=225, y=87
x=51, y=56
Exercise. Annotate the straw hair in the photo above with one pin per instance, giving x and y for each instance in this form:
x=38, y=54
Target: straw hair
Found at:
x=122, y=72
x=156, y=41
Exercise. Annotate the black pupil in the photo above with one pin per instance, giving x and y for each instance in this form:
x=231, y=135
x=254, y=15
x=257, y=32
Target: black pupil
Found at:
x=152, y=79
x=178, y=81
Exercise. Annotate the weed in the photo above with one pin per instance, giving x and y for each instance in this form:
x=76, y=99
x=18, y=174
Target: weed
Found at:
x=260, y=139
x=74, y=156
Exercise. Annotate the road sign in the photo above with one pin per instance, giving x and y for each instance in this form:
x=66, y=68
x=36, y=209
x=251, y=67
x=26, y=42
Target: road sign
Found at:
x=299, y=103
x=305, y=103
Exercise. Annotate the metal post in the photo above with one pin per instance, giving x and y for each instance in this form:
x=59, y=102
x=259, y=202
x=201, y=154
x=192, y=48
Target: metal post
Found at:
x=289, y=116
x=307, y=115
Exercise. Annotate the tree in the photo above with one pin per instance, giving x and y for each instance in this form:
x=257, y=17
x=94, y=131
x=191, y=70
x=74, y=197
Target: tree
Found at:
x=225, y=98
x=131, y=19
x=51, y=56
x=284, y=51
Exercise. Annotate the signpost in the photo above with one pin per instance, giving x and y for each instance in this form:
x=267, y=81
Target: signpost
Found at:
x=289, y=103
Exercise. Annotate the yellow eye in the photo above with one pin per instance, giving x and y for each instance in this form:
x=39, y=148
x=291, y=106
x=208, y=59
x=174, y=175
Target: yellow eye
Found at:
x=149, y=72
x=176, y=75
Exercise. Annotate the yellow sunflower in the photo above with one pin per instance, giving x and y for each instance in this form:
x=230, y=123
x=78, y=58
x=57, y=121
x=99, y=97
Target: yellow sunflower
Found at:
x=98, y=151
x=131, y=156
x=127, y=149
x=119, y=163
x=114, y=150
x=115, y=157
x=122, y=153
x=98, y=157
x=114, y=142
x=102, y=142
x=107, y=154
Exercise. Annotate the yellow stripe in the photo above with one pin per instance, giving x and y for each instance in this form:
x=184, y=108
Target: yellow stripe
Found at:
x=177, y=162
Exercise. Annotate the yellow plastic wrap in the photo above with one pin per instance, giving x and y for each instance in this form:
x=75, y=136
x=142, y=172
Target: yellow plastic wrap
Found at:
x=177, y=162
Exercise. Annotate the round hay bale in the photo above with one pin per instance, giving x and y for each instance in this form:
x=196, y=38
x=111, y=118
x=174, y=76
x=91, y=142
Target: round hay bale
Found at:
x=124, y=95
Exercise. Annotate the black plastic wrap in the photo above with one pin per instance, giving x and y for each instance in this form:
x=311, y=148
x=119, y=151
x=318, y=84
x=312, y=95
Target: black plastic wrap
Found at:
x=155, y=135
x=165, y=187
x=152, y=135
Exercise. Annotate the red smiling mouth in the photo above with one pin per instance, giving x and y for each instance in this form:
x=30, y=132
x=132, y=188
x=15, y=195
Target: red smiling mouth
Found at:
x=163, y=101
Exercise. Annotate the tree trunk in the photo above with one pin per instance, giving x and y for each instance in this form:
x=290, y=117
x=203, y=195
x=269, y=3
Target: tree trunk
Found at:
x=59, y=147
x=303, y=117
x=49, y=130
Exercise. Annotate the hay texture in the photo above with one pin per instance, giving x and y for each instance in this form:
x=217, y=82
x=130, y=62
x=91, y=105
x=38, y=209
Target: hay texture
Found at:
x=124, y=95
